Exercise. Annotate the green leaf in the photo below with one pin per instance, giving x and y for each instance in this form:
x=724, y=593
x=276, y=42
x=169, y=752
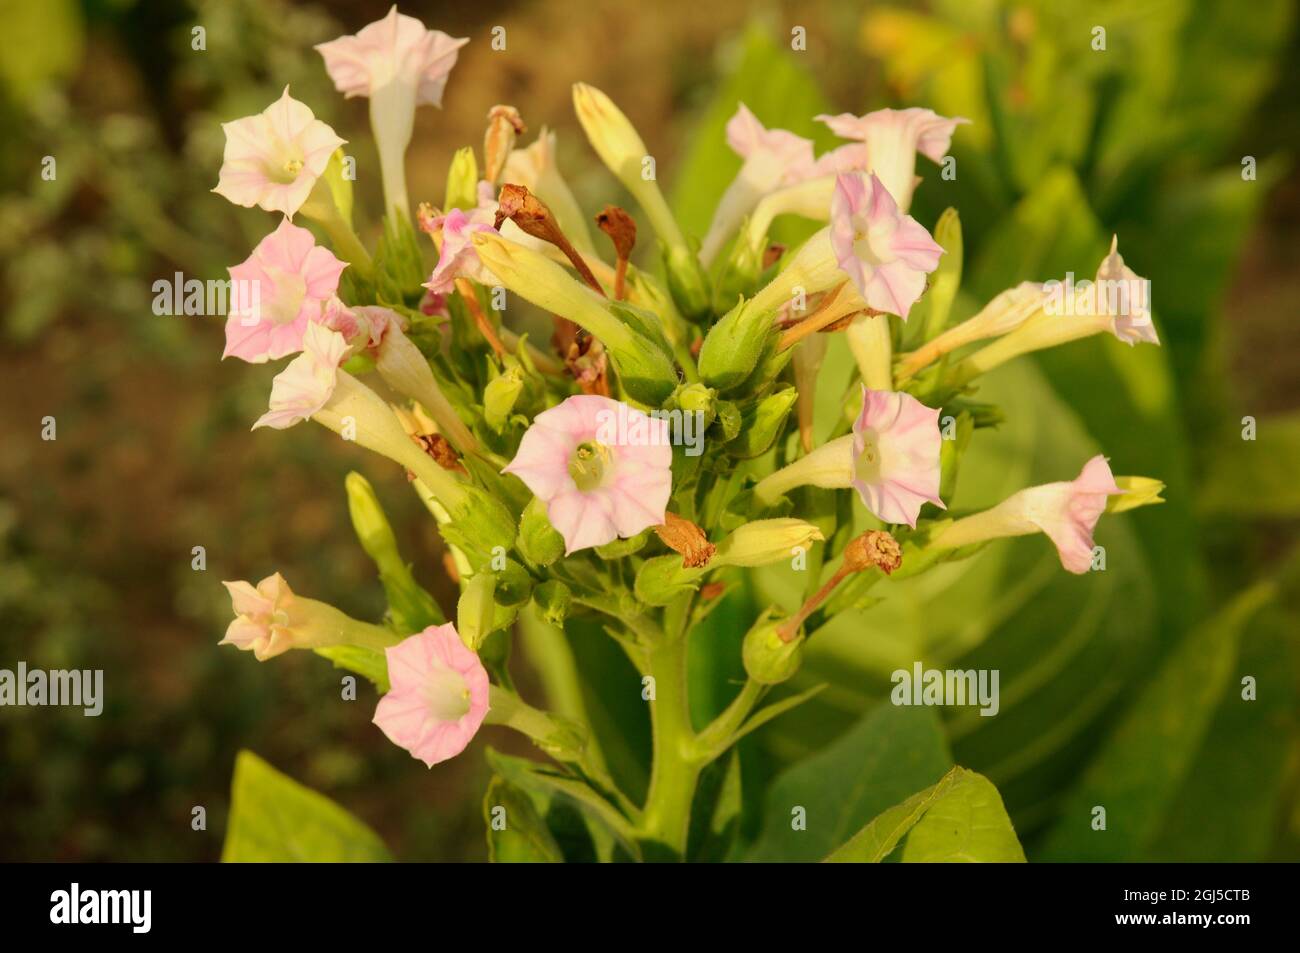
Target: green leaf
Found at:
x=1228, y=808
x=1256, y=478
x=890, y=753
x=273, y=818
x=610, y=689
x=608, y=826
x=1137, y=774
x=961, y=818
x=716, y=811
x=516, y=833
x=968, y=824
x=878, y=839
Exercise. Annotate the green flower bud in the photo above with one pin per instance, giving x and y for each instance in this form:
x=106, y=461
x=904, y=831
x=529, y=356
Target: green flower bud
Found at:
x=514, y=584
x=762, y=542
x=411, y=608
x=662, y=579
x=339, y=185
x=480, y=525
x=734, y=345
x=742, y=271
x=762, y=423
x=729, y=419
x=399, y=265
x=769, y=367
x=554, y=600
x=476, y=609
x=770, y=660
x=646, y=367
x=494, y=652
x=697, y=399
x=687, y=282
x=500, y=395
x=623, y=151
x=538, y=540
x=945, y=281
x=462, y=181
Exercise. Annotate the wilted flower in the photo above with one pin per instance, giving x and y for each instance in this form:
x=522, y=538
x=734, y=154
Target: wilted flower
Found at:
x=363, y=327
x=438, y=696
x=273, y=159
x=294, y=278
x=893, y=137
x=602, y=468
x=1067, y=512
x=891, y=459
x=457, y=257
x=535, y=168
x=399, y=65
x=504, y=126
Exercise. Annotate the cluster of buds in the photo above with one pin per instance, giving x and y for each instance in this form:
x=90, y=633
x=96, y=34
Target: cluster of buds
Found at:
x=566, y=480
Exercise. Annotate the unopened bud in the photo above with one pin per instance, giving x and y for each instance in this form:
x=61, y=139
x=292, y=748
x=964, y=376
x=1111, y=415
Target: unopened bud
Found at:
x=662, y=579
x=762, y=423
x=733, y=346
x=500, y=395
x=476, y=609
x=763, y=542
x=769, y=659
x=687, y=282
x=462, y=181
x=539, y=541
x=554, y=600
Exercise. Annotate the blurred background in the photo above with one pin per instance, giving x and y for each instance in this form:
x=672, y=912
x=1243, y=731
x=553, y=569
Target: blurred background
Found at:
x=1122, y=688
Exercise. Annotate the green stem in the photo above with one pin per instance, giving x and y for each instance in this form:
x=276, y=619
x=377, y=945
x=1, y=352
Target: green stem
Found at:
x=715, y=739
x=667, y=813
x=564, y=742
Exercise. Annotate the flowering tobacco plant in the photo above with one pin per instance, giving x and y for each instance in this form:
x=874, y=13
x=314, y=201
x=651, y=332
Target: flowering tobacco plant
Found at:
x=659, y=444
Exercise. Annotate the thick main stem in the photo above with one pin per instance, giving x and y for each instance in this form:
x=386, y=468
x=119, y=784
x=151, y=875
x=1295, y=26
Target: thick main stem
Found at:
x=667, y=814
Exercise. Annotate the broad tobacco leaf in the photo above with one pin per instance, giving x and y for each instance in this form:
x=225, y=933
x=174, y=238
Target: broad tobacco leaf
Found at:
x=958, y=820
x=1137, y=774
x=275, y=819
x=818, y=803
x=516, y=832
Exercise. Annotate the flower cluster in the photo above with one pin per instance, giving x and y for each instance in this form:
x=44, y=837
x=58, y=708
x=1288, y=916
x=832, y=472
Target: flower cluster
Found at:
x=556, y=470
